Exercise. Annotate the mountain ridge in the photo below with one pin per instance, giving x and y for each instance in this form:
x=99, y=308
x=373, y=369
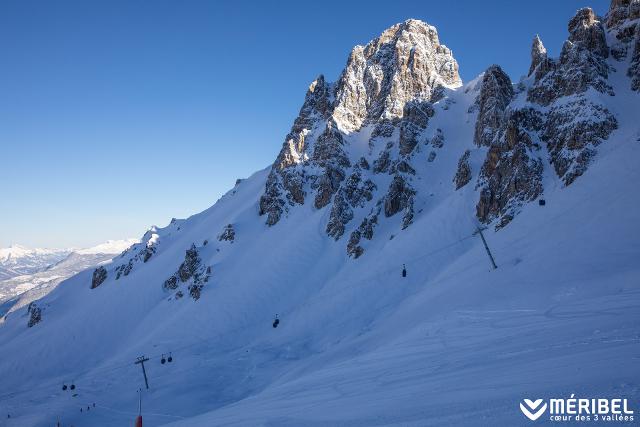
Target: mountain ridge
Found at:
x=525, y=126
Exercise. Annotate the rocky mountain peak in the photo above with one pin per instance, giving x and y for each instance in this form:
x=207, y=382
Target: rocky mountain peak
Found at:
x=405, y=62
x=622, y=10
x=360, y=147
x=317, y=101
x=389, y=84
x=495, y=94
x=538, y=54
x=586, y=30
x=623, y=25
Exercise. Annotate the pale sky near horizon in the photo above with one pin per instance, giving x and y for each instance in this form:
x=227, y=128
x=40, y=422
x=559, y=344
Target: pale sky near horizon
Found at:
x=119, y=115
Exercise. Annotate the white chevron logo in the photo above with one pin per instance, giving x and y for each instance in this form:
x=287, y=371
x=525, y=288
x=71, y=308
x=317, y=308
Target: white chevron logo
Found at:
x=529, y=410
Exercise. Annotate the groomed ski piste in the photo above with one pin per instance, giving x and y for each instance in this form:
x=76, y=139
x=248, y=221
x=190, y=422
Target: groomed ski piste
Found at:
x=453, y=343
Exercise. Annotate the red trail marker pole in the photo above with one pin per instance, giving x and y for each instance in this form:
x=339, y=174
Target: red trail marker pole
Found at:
x=139, y=417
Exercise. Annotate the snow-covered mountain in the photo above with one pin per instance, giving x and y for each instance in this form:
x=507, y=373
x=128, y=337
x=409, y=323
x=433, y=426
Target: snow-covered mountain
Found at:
x=393, y=167
x=17, y=260
x=49, y=267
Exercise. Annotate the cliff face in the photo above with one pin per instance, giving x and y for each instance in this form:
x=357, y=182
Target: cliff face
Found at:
x=563, y=118
x=395, y=90
x=405, y=63
x=386, y=91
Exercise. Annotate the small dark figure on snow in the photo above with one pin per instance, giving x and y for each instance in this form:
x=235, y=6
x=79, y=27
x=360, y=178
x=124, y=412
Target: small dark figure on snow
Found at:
x=276, y=322
x=404, y=271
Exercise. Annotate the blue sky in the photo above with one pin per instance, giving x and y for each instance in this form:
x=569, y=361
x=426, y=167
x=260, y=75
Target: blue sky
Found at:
x=117, y=115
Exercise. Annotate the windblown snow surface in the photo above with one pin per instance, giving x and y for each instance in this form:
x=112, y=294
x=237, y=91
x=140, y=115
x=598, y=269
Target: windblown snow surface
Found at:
x=453, y=343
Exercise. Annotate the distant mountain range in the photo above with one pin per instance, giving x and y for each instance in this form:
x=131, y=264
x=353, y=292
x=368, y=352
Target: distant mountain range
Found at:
x=17, y=260
x=27, y=274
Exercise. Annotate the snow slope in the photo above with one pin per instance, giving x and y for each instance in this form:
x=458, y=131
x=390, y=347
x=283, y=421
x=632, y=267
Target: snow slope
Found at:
x=358, y=344
x=453, y=343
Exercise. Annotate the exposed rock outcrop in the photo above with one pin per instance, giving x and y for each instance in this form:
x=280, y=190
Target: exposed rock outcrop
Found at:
x=390, y=85
x=463, y=174
x=538, y=55
x=317, y=104
x=416, y=117
x=228, y=234
x=399, y=198
x=512, y=172
x=572, y=130
x=382, y=163
x=271, y=202
x=341, y=214
x=192, y=272
x=354, y=250
x=327, y=186
x=358, y=190
x=171, y=283
x=35, y=314
x=495, y=94
x=587, y=32
x=353, y=194
x=328, y=148
x=191, y=263
x=375, y=125
x=622, y=22
x=574, y=123
x=620, y=11
x=437, y=141
x=284, y=185
x=124, y=269
x=140, y=252
x=99, y=276
x=364, y=230
x=147, y=253
x=406, y=62
x=582, y=64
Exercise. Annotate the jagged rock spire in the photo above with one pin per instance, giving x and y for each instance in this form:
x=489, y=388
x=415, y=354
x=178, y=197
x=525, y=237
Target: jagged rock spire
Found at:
x=620, y=11
x=582, y=66
x=587, y=31
x=538, y=54
x=317, y=103
x=405, y=62
x=395, y=75
x=621, y=20
x=495, y=94
x=582, y=63
x=386, y=95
